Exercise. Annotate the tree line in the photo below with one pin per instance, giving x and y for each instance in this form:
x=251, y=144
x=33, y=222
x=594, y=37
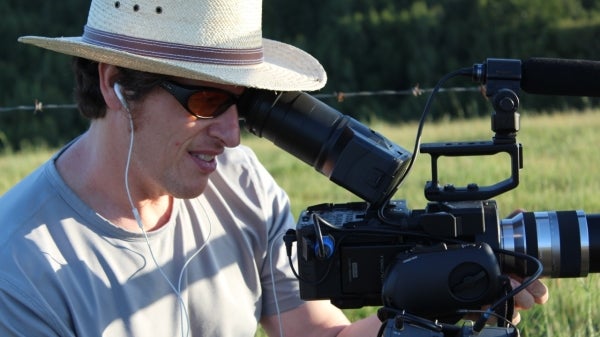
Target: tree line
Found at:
x=365, y=45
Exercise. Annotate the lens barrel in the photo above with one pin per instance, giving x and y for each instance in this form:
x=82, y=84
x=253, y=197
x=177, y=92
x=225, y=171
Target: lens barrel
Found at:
x=567, y=243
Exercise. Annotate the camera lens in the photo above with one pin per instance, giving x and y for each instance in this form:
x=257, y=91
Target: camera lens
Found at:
x=567, y=243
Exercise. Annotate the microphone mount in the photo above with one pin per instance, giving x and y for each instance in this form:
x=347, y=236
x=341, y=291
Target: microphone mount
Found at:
x=501, y=79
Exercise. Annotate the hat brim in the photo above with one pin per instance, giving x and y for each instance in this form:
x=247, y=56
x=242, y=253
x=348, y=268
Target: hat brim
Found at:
x=285, y=67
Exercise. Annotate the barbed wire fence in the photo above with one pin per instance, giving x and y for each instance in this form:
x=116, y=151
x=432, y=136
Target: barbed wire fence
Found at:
x=340, y=96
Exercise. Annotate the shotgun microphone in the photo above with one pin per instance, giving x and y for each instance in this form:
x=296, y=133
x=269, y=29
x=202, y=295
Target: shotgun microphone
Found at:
x=544, y=76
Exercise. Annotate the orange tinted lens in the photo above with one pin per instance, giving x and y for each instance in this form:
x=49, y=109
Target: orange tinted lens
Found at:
x=208, y=103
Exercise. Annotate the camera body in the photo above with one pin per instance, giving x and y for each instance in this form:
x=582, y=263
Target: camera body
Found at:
x=442, y=254
x=432, y=262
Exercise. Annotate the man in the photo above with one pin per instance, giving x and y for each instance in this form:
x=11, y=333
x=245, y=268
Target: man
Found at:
x=155, y=222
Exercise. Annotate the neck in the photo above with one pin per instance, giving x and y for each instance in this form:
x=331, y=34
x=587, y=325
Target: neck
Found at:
x=94, y=167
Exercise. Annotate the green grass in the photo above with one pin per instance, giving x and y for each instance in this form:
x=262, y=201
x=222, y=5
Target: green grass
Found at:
x=14, y=167
x=560, y=172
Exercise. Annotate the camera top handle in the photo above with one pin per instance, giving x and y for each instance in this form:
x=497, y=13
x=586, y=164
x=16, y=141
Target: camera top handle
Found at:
x=501, y=78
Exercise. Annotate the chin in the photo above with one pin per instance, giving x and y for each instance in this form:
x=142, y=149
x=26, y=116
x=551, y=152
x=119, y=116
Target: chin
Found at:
x=189, y=192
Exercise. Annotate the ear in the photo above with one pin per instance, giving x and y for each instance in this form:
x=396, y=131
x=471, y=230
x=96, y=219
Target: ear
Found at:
x=107, y=75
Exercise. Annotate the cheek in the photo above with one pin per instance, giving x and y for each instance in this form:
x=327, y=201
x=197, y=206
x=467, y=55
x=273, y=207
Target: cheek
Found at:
x=173, y=148
x=177, y=144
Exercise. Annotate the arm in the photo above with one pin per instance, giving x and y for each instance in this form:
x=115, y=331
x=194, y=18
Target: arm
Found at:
x=319, y=319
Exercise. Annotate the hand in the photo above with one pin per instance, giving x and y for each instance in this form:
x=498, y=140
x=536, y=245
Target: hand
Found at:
x=537, y=292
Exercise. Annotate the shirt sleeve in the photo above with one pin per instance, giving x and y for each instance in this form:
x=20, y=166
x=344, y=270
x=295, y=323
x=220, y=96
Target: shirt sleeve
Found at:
x=281, y=290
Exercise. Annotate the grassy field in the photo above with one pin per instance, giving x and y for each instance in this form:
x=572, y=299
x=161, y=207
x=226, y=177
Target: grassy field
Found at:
x=560, y=173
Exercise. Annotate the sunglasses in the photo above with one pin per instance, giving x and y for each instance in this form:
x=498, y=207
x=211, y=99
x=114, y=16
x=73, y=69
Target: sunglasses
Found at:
x=199, y=101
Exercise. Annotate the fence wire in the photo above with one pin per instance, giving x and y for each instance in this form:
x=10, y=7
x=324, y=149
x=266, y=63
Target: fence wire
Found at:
x=340, y=96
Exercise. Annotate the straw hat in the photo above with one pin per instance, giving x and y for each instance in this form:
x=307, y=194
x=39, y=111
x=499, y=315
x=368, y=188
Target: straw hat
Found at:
x=212, y=40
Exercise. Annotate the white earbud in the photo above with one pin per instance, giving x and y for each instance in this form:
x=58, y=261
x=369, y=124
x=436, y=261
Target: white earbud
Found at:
x=120, y=96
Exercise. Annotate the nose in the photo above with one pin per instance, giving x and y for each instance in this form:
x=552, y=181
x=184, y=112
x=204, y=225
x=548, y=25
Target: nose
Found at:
x=226, y=127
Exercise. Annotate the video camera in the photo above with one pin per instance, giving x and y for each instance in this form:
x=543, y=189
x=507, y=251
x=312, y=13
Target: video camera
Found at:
x=431, y=265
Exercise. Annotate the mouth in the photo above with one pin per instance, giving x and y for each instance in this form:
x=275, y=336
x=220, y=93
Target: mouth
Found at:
x=203, y=157
x=205, y=162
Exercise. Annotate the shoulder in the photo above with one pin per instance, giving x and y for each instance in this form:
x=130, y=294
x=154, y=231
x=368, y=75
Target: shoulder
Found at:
x=240, y=165
x=244, y=184
x=241, y=155
x=23, y=201
x=35, y=214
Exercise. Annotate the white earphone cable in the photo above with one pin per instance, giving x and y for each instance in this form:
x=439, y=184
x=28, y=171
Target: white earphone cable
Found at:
x=177, y=290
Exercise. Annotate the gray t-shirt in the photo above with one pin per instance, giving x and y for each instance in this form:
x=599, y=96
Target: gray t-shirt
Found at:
x=66, y=271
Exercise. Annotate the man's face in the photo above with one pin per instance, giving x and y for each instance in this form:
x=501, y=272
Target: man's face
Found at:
x=174, y=152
